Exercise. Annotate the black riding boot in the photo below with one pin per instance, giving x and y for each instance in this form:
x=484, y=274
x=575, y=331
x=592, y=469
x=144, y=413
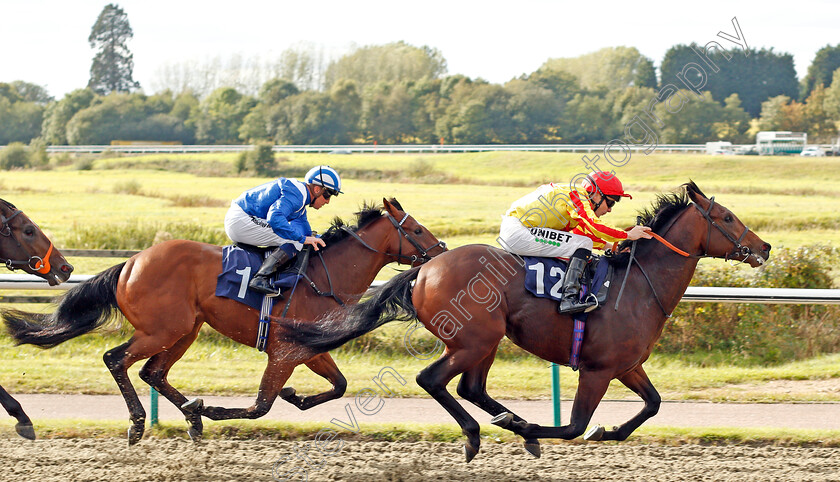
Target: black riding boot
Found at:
x=261, y=282
x=570, y=302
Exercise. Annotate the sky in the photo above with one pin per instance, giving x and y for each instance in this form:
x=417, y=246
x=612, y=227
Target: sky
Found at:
x=45, y=41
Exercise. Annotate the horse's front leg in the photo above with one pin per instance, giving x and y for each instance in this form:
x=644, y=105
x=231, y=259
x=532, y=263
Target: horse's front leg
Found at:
x=592, y=385
x=24, y=424
x=325, y=366
x=636, y=380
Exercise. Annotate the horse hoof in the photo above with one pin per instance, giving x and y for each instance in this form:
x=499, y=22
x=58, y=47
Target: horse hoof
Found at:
x=194, y=405
x=25, y=430
x=595, y=433
x=135, y=433
x=502, y=420
x=533, y=448
x=470, y=451
x=195, y=434
x=288, y=394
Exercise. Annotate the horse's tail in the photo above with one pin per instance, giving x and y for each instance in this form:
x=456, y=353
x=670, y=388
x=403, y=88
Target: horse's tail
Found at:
x=389, y=302
x=83, y=308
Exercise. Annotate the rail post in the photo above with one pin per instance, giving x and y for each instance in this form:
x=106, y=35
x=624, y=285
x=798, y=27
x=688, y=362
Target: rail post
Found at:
x=555, y=392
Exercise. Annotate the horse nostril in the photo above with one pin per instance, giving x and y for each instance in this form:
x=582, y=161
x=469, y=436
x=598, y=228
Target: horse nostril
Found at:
x=66, y=268
x=766, y=247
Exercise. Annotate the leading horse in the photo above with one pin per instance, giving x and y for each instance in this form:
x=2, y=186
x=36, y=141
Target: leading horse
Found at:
x=23, y=246
x=472, y=296
x=167, y=292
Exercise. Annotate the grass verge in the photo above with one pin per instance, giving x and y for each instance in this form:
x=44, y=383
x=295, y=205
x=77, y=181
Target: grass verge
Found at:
x=416, y=432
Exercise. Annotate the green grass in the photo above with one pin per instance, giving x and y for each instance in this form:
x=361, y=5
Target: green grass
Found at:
x=414, y=432
x=786, y=200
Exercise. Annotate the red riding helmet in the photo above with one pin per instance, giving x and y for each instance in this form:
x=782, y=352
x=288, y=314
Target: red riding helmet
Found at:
x=606, y=182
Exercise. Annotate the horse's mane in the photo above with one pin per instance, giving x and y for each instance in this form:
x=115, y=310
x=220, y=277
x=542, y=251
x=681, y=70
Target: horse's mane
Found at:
x=368, y=213
x=660, y=214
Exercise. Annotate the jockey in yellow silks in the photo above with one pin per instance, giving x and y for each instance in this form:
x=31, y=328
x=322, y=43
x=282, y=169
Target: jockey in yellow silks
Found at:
x=564, y=222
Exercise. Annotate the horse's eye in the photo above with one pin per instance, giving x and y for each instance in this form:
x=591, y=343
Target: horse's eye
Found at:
x=728, y=218
x=418, y=231
x=29, y=231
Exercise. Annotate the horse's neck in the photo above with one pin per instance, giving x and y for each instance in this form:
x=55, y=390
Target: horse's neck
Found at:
x=351, y=265
x=670, y=273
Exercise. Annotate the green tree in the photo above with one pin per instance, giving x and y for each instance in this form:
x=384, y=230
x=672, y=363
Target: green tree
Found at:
x=32, y=92
x=821, y=125
x=20, y=121
x=58, y=114
x=780, y=113
x=386, y=113
x=821, y=70
x=611, y=68
x=220, y=116
x=113, y=65
x=832, y=97
x=392, y=62
x=261, y=122
x=755, y=75
x=127, y=117
x=701, y=120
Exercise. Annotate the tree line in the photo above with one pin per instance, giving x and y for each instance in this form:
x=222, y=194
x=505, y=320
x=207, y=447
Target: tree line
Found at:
x=398, y=93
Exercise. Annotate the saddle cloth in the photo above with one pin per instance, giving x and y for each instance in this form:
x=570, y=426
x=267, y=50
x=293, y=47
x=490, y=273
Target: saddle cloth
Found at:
x=238, y=267
x=544, y=276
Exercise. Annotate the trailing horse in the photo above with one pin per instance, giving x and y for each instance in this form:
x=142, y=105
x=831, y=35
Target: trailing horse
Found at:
x=472, y=296
x=23, y=246
x=167, y=292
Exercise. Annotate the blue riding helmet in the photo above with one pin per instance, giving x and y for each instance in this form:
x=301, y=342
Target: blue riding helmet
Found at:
x=325, y=176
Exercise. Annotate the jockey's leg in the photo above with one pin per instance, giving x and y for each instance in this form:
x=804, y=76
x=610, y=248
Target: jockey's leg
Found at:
x=570, y=302
x=261, y=282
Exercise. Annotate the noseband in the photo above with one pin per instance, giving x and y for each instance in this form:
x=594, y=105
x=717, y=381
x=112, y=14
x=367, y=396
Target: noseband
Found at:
x=36, y=263
x=424, y=252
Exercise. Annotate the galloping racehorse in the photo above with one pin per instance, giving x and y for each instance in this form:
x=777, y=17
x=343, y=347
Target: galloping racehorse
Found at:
x=472, y=296
x=24, y=246
x=168, y=291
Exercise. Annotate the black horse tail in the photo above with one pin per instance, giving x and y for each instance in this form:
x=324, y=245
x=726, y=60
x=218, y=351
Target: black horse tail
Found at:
x=389, y=302
x=82, y=309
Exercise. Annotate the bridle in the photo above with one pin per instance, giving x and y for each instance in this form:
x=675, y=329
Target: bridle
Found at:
x=738, y=249
x=423, y=252
x=35, y=263
x=399, y=257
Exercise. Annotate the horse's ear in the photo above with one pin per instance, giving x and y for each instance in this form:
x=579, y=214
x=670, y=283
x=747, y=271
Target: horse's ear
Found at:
x=695, y=193
x=392, y=206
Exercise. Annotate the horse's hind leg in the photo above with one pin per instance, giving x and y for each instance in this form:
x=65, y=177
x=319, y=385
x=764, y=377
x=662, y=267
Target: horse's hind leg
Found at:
x=118, y=360
x=638, y=381
x=24, y=424
x=325, y=366
x=434, y=379
x=155, y=371
x=473, y=388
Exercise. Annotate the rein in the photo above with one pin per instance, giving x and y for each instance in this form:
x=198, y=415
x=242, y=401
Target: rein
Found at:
x=35, y=263
x=399, y=256
x=738, y=249
x=424, y=256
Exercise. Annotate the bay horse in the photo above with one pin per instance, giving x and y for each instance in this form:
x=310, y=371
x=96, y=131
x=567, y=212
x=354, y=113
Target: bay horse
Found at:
x=472, y=296
x=23, y=246
x=167, y=292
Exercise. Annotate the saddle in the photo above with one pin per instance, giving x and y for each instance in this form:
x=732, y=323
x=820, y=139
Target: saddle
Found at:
x=544, y=277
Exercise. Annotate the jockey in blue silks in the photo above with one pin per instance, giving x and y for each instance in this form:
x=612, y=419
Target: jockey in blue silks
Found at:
x=274, y=214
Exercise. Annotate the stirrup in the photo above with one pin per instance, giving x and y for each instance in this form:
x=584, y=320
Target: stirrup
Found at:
x=265, y=290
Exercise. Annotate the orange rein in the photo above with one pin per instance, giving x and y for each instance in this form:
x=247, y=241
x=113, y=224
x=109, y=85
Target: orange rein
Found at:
x=669, y=245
